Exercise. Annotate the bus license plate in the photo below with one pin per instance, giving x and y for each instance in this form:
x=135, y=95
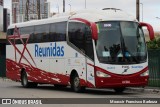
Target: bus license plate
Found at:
x=126, y=82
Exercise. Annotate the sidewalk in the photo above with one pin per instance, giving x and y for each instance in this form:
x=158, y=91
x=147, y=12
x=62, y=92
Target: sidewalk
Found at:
x=5, y=79
x=147, y=89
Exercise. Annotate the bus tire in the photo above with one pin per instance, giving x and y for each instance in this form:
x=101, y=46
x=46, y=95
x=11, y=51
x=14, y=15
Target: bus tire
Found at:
x=119, y=90
x=75, y=84
x=24, y=81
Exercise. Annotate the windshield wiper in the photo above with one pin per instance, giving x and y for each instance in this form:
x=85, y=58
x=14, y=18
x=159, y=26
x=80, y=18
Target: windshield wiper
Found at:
x=134, y=58
x=124, y=50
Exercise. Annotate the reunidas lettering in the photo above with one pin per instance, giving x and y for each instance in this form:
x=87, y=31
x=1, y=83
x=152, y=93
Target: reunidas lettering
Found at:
x=50, y=51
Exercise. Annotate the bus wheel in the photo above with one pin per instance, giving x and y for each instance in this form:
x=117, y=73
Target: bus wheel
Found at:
x=75, y=84
x=24, y=81
x=119, y=90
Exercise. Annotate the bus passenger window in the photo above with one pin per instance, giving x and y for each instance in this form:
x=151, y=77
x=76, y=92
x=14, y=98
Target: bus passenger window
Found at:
x=76, y=35
x=88, y=43
x=41, y=32
x=58, y=31
x=26, y=30
x=10, y=32
x=61, y=31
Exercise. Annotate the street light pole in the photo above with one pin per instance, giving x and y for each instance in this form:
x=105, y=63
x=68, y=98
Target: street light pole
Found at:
x=137, y=9
x=85, y=4
x=39, y=9
x=142, y=11
x=63, y=5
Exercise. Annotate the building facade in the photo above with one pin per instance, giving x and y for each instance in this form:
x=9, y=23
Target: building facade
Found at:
x=24, y=10
x=1, y=15
x=1, y=2
x=6, y=19
x=15, y=10
x=2, y=43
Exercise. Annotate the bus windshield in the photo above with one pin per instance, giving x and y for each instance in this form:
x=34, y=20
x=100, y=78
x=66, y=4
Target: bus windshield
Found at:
x=120, y=42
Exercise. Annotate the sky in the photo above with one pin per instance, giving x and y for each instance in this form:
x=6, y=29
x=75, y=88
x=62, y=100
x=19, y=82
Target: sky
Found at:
x=151, y=8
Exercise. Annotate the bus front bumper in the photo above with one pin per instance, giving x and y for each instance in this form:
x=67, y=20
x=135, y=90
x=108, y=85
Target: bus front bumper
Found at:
x=121, y=82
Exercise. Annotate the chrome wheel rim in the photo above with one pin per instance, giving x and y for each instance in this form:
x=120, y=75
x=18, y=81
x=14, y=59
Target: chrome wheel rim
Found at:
x=76, y=82
x=24, y=80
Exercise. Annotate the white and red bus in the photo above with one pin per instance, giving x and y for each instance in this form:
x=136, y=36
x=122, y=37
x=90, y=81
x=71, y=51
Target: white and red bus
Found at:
x=92, y=48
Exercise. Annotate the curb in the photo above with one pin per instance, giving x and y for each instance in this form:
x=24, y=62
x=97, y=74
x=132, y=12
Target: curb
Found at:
x=5, y=79
x=145, y=90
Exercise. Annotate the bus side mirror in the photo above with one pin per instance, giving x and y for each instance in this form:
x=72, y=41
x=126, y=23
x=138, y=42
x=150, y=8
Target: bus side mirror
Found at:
x=94, y=31
x=150, y=29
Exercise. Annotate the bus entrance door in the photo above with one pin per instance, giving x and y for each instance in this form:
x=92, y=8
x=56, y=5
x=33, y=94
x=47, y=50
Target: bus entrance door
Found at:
x=90, y=73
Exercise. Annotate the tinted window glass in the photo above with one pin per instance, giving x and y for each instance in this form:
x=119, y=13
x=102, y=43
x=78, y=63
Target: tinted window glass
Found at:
x=80, y=36
x=88, y=43
x=58, y=31
x=41, y=33
x=120, y=42
x=27, y=30
x=76, y=35
x=10, y=32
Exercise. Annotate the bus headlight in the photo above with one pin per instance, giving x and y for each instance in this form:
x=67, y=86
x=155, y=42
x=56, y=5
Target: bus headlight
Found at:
x=145, y=73
x=101, y=74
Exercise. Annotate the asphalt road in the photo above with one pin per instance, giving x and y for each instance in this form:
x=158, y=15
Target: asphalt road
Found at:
x=10, y=89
